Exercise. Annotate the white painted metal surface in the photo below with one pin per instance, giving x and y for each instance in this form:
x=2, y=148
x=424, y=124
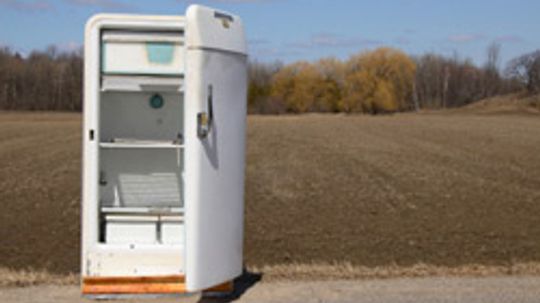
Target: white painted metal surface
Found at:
x=143, y=165
x=142, y=260
x=214, y=30
x=215, y=164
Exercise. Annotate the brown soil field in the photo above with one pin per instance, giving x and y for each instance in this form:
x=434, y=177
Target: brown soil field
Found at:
x=447, y=190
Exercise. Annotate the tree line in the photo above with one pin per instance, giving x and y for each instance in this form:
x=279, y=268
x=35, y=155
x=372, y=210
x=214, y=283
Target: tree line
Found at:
x=387, y=80
x=45, y=80
x=376, y=81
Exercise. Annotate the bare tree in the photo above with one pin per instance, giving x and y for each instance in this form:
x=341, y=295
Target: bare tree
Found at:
x=526, y=69
x=49, y=80
x=492, y=77
x=52, y=80
x=493, y=56
x=445, y=86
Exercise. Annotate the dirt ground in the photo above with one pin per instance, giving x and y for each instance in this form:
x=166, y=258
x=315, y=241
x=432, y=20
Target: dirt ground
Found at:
x=438, y=189
x=447, y=190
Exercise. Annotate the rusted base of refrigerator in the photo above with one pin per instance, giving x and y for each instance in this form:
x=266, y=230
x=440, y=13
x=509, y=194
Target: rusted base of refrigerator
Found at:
x=110, y=287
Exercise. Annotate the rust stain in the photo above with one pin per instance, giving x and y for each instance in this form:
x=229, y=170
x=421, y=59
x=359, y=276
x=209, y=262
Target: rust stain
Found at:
x=225, y=287
x=134, y=285
x=142, y=285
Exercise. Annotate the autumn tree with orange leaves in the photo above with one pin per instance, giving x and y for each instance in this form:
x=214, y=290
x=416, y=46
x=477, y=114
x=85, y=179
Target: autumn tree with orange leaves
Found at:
x=378, y=81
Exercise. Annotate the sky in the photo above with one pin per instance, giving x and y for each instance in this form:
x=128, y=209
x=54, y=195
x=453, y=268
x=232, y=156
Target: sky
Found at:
x=292, y=30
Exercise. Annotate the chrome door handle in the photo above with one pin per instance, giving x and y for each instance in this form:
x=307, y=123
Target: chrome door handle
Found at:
x=205, y=119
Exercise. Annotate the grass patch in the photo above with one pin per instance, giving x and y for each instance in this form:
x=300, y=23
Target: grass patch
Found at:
x=24, y=278
x=348, y=271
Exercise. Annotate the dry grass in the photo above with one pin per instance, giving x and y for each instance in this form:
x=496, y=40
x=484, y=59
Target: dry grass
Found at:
x=326, y=196
x=24, y=278
x=343, y=271
x=304, y=272
x=518, y=103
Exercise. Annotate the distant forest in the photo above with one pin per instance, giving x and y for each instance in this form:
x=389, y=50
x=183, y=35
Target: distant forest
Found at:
x=377, y=81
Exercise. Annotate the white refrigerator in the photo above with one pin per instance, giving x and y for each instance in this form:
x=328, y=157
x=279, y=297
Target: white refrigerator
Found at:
x=163, y=152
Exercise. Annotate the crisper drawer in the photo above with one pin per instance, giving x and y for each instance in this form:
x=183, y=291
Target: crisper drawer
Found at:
x=142, y=53
x=122, y=229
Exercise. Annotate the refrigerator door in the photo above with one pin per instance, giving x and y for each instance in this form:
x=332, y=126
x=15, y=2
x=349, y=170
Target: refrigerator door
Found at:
x=216, y=85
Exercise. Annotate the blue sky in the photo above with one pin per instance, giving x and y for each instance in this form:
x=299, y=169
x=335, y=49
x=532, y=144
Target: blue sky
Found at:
x=290, y=30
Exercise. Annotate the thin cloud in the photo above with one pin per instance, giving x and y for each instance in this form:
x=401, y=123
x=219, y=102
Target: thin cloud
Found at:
x=26, y=6
x=465, y=38
x=105, y=4
x=330, y=40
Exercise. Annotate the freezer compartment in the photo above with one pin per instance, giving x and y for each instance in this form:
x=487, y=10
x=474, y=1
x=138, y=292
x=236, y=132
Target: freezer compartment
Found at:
x=142, y=53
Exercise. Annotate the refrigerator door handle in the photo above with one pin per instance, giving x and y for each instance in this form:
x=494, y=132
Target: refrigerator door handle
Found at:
x=205, y=119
